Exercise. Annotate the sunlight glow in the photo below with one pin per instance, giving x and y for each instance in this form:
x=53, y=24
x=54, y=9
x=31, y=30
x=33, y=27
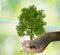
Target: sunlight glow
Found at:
x=0, y=7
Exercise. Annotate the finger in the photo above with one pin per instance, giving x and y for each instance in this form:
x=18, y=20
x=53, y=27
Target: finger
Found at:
x=32, y=49
x=26, y=43
x=27, y=49
x=37, y=49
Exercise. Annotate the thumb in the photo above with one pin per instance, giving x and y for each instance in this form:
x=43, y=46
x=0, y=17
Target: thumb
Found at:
x=25, y=43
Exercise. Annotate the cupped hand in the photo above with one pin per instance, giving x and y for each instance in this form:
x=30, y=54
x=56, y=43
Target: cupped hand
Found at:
x=35, y=49
x=37, y=45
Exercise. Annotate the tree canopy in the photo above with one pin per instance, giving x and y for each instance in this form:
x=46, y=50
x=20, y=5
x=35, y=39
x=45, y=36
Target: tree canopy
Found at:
x=31, y=22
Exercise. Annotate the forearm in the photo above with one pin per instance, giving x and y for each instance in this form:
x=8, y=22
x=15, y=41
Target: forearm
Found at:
x=55, y=36
x=46, y=38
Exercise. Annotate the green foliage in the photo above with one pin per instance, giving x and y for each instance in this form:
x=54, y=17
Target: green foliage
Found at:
x=31, y=22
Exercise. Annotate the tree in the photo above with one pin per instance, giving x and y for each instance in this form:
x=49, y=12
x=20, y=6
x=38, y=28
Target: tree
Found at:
x=31, y=22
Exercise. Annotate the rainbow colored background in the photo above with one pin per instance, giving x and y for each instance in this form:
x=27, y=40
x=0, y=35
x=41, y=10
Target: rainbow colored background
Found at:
x=9, y=11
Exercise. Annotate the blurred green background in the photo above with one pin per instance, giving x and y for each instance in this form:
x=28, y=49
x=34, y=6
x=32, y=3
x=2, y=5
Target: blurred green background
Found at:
x=10, y=9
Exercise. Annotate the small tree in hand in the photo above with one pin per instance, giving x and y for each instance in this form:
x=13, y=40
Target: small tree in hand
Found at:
x=31, y=22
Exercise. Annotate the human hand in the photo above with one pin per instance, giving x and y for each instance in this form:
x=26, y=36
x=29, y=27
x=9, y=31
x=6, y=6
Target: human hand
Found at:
x=38, y=44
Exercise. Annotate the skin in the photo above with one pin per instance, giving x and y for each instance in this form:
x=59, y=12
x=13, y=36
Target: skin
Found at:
x=41, y=42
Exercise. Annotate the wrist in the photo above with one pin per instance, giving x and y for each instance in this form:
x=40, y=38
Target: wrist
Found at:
x=55, y=36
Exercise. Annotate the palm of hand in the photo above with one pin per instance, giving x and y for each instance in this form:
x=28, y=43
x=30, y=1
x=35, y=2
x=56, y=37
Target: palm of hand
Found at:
x=37, y=45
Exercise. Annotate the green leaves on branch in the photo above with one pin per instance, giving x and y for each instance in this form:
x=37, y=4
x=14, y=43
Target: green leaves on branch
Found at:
x=31, y=22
